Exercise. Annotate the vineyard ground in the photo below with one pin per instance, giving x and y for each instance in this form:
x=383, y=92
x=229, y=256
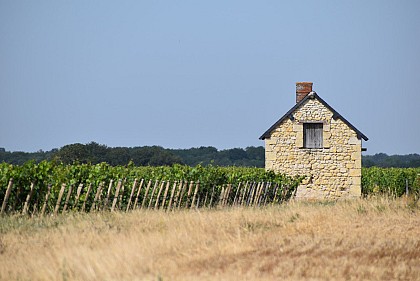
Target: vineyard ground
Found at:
x=366, y=239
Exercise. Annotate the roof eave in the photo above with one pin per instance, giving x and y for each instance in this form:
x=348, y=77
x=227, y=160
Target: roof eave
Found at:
x=336, y=115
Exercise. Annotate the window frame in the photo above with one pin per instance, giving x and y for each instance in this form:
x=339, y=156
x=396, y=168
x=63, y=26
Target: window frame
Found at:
x=317, y=132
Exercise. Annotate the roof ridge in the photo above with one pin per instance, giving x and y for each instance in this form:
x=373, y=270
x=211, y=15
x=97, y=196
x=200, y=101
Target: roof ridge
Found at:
x=313, y=95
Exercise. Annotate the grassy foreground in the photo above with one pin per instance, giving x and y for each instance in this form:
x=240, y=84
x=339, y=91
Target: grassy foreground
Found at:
x=373, y=239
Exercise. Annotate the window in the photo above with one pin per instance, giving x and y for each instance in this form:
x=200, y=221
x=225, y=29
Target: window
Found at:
x=312, y=135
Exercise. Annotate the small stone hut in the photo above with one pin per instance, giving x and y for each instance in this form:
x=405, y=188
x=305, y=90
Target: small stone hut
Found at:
x=314, y=140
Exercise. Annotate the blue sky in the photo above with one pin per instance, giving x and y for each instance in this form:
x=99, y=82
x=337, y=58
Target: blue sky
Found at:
x=183, y=74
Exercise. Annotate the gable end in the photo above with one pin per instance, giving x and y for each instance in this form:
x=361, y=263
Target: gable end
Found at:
x=313, y=95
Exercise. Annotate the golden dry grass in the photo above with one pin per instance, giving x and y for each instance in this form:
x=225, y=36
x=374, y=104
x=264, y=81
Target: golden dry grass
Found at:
x=375, y=239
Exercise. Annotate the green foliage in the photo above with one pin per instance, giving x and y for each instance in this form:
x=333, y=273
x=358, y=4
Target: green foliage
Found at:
x=250, y=156
x=390, y=181
x=55, y=174
x=212, y=179
x=388, y=161
x=95, y=153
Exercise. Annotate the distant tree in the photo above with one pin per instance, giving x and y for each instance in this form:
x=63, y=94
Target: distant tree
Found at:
x=397, y=161
x=118, y=156
x=164, y=158
x=251, y=156
x=234, y=154
x=193, y=156
x=72, y=152
x=257, y=153
x=97, y=152
x=367, y=162
x=153, y=156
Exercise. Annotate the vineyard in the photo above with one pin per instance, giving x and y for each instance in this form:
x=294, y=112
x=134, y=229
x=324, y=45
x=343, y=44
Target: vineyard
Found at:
x=49, y=187
x=391, y=181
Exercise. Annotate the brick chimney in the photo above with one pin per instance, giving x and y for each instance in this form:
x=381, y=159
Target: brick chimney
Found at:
x=302, y=90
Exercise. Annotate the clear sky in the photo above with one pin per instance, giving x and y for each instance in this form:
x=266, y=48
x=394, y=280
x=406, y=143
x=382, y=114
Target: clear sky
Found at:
x=183, y=74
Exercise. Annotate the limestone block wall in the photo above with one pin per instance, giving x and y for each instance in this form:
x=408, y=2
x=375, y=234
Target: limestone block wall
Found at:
x=333, y=171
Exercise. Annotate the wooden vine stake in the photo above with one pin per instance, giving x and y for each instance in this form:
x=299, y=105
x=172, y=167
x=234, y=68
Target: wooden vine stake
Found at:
x=244, y=194
x=34, y=209
x=235, y=199
x=67, y=198
x=181, y=194
x=131, y=195
x=228, y=189
x=111, y=182
x=225, y=195
x=275, y=194
x=164, y=195
x=120, y=198
x=267, y=188
x=211, y=197
x=97, y=196
x=172, y=196
x=153, y=193
x=257, y=193
x=205, y=199
x=241, y=192
x=145, y=193
x=114, y=202
x=87, y=196
x=6, y=197
x=176, y=198
x=284, y=190
x=138, y=193
x=222, y=196
x=47, y=196
x=60, y=195
x=79, y=190
x=28, y=198
x=198, y=202
x=160, y=191
x=254, y=193
x=261, y=196
x=189, y=193
x=250, y=194
x=197, y=186
x=263, y=193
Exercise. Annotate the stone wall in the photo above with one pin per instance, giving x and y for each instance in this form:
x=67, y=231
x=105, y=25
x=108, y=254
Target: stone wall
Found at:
x=333, y=171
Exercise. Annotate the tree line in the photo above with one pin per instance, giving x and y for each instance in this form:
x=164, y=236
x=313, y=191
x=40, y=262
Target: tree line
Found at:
x=387, y=161
x=95, y=153
x=252, y=156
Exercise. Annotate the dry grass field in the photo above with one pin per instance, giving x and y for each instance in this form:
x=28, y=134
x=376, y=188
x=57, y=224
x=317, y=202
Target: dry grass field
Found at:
x=374, y=239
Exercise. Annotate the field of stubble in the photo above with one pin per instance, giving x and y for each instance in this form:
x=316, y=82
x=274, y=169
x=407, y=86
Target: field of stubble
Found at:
x=373, y=239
